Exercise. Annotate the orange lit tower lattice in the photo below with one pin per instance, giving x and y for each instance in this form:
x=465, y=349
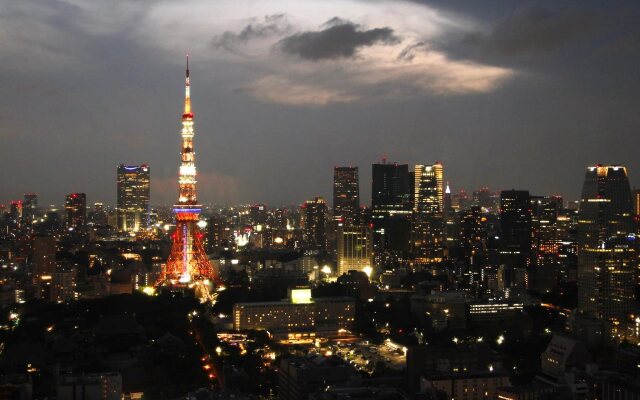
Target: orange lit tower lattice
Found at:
x=188, y=265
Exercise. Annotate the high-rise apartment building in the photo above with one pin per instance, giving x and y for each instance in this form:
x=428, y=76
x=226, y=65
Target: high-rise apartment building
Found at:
x=76, y=207
x=346, y=195
x=133, y=197
x=354, y=249
x=314, y=213
x=607, y=253
x=428, y=208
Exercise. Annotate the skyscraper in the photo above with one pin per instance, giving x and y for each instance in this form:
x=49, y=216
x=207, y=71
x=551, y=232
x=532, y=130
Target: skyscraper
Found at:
x=133, y=197
x=76, y=207
x=29, y=207
x=546, y=241
x=428, y=207
x=391, y=203
x=354, y=249
x=545, y=232
x=515, y=227
x=98, y=216
x=346, y=194
x=607, y=253
x=15, y=211
x=43, y=263
x=44, y=256
x=188, y=265
x=314, y=213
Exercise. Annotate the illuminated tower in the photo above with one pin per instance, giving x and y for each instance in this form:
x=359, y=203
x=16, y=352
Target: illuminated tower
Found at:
x=188, y=265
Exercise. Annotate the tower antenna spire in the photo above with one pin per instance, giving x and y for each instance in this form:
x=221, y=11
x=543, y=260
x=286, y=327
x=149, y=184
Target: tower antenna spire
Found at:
x=187, y=97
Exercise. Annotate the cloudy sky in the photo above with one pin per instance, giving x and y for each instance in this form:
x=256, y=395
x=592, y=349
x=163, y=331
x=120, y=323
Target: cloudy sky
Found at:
x=507, y=94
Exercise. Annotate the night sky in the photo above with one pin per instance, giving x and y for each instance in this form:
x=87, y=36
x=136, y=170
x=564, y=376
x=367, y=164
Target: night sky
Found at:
x=507, y=94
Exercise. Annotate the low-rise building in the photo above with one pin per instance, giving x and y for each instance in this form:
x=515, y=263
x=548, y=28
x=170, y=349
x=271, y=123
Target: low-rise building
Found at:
x=475, y=385
x=102, y=386
x=493, y=311
x=300, y=376
x=298, y=317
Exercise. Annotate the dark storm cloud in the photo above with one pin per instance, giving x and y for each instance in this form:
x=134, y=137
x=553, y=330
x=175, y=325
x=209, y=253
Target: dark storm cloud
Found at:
x=535, y=28
x=272, y=25
x=538, y=32
x=340, y=39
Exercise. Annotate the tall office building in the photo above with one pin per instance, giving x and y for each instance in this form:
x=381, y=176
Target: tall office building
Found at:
x=472, y=233
x=15, y=211
x=98, y=216
x=636, y=209
x=515, y=227
x=355, y=249
x=133, y=197
x=76, y=207
x=314, y=213
x=546, y=237
x=29, y=207
x=482, y=198
x=546, y=242
x=607, y=253
x=258, y=214
x=428, y=210
x=346, y=195
x=44, y=256
x=391, y=203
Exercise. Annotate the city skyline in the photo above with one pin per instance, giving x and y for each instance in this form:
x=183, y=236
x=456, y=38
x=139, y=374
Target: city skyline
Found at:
x=535, y=105
x=319, y=200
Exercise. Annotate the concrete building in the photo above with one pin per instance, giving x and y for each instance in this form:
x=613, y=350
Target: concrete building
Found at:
x=103, y=386
x=300, y=376
x=467, y=385
x=493, y=311
x=298, y=317
x=355, y=249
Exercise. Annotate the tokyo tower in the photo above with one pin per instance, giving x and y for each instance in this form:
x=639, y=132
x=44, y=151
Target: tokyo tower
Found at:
x=188, y=265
